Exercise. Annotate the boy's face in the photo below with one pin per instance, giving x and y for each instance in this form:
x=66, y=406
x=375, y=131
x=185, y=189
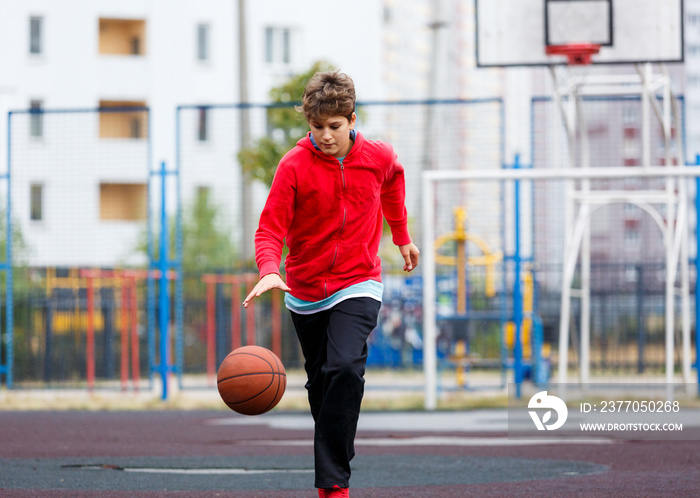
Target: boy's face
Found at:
x=332, y=134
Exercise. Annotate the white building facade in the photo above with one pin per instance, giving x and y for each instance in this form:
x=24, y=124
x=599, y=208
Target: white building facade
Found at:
x=79, y=179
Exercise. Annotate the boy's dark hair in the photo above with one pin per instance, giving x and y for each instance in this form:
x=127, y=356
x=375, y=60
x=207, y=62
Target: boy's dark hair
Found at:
x=330, y=93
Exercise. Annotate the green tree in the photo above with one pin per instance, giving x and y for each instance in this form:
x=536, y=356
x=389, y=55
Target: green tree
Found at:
x=207, y=240
x=285, y=127
x=20, y=252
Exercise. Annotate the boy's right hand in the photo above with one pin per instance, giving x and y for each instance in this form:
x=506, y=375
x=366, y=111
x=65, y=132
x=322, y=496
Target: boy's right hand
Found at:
x=269, y=281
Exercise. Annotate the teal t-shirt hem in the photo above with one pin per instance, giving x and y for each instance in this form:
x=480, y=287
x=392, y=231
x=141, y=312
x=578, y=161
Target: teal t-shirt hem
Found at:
x=369, y=288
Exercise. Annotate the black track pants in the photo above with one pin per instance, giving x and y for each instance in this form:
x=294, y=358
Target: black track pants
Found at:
x=334, y=344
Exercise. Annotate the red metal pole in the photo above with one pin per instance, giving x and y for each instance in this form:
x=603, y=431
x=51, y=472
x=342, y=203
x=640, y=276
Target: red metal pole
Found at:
x=277, y=322
x=125, y=333
x=250, y=317
x=135, y=359
x=211, y=329
x=90, y=339
x=236, y=314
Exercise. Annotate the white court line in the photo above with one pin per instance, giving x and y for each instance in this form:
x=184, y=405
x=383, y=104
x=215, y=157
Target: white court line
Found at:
x=434, y=441
x=218, y=471
x=468, y=421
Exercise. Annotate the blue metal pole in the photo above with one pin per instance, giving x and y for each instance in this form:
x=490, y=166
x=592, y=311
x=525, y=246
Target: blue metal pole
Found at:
x=9, y=291
x=517, y=291
x=163, y=296
x=3, y=368
x=697, y=274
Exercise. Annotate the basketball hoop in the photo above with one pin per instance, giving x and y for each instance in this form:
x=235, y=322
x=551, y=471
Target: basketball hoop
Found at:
x=577, y=54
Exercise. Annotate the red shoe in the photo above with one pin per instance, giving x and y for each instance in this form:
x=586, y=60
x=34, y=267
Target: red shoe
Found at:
x=335, y=492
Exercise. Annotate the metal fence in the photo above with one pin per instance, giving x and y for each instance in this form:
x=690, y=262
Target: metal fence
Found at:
x=85, y=196
x=627, y=249
x=79, y=199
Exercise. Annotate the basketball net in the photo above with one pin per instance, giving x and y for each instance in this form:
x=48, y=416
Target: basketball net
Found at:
x=579, y=59
x=577, y=54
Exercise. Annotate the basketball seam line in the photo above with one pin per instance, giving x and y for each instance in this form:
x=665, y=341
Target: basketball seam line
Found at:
x=249, y=374
x=253, y=397
x=279, y=383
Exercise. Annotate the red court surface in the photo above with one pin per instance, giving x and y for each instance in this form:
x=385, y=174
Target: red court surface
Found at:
x=219, y=453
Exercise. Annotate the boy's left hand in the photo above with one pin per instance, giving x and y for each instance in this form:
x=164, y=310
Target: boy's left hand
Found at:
x=410, y=255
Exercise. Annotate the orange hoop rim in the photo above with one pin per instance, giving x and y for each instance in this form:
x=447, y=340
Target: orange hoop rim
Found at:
x=577, y=54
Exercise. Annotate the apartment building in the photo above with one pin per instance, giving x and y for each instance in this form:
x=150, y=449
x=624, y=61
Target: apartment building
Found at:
x=80, y=179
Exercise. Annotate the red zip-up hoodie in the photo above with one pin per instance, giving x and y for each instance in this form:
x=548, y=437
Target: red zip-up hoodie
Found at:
x=331, y=216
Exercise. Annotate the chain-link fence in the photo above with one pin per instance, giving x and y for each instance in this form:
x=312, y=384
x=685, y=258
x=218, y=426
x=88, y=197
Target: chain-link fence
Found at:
x=79, y=201
x=82, y=198
x=627, y=247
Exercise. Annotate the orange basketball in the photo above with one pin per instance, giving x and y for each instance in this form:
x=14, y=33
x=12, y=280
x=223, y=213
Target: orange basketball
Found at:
x=251, y=380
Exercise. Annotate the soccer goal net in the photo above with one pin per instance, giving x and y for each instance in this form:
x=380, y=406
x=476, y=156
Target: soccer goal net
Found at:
x=569, y=274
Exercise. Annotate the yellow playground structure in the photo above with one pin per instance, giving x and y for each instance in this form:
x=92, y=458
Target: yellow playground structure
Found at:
x=461, y=356
x=488, y=258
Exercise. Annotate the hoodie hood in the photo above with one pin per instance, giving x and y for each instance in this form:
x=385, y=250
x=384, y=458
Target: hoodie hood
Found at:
x=309, y=142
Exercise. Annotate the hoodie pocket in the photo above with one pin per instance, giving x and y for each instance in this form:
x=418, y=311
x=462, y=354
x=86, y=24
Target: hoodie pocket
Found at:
x=308, y=261
x=352, y=259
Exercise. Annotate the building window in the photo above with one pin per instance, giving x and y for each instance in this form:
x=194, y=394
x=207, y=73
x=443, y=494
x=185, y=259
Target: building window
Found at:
x=388, y=15
x=631, y=211
x=280, y=45
x=630, y=114
x=286, y=44
x=203, y=42
x=631, y=183
x=136, y=126
x=135, y=45
x=269, y=44
x=123, y=119
x=36, y=25
x=122, y=37
x=36, y=119
x=630, y=147
x=202, y=118
x=631, y=239
x=123, y=201
x=36, y=197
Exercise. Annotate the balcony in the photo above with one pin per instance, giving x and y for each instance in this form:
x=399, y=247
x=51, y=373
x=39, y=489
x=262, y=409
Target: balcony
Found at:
x=122, y=37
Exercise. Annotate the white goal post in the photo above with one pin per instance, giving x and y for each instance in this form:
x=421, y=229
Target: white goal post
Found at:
x=673, y=224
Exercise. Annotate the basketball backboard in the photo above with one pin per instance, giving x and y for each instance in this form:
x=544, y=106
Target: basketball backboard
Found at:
x=517, y=32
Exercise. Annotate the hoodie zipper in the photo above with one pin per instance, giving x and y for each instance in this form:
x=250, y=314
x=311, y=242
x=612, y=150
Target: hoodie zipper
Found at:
x=345, y=209
x=342, y=227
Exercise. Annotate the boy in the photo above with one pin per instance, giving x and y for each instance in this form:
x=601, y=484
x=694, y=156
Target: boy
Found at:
x=327, y=200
